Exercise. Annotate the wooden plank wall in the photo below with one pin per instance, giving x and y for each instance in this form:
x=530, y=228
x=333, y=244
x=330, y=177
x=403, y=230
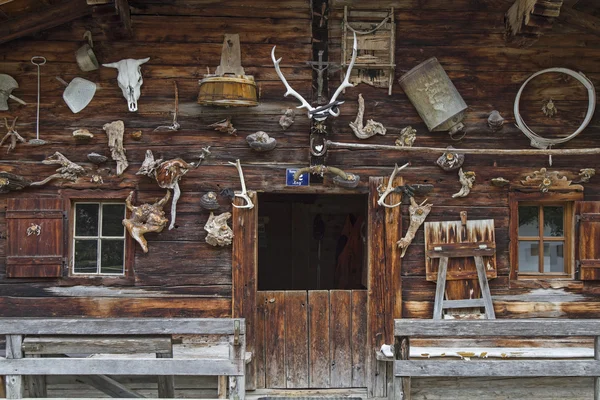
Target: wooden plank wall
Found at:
x=311, y=339
x=181, y=275
x=467, y=39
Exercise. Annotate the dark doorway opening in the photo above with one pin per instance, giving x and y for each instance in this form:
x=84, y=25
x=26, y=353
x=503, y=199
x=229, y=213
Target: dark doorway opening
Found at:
x=311, y=241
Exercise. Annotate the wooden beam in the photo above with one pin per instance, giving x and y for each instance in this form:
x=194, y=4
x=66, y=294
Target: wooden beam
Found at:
x=488, y=368
x=45, y=19
x=580, y=20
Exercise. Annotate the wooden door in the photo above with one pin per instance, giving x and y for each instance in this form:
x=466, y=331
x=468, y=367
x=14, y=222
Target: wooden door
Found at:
x=321, y=338
x=311, y=339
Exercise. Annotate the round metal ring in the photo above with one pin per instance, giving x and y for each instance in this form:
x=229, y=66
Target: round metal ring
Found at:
x=539, y=141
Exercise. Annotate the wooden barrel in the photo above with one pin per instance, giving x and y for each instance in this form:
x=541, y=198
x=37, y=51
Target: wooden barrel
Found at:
x=228, y=91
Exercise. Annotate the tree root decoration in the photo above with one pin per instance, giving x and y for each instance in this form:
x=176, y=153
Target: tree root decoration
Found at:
x=145, y=218
x=68, y=170
x=372, y=128
x=418, y=213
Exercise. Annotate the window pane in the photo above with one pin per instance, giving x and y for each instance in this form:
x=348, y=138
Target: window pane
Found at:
x=112, y=256
x=529, y=223
x=529, y=256
x=112, y=217
x=86, y=217
x=554, y=259
x=86, y=256
x=553, y=221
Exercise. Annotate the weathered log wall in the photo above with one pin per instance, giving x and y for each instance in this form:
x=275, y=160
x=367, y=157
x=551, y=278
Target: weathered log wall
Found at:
x=182, y=275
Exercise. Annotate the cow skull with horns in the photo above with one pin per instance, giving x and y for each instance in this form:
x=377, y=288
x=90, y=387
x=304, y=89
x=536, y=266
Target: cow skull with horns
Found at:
x=332, y=108
x=129, y=79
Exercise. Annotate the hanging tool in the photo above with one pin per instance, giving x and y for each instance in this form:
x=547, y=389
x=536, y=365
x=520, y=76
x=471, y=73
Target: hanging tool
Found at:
x=78, y=94
x=38, y=61
x=7, y=85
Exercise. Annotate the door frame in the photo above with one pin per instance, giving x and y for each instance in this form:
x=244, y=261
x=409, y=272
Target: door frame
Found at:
x=384, y=303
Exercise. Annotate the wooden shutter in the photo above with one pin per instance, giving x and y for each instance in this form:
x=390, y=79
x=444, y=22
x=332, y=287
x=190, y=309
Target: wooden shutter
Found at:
x=33, y=255
x=588, y=247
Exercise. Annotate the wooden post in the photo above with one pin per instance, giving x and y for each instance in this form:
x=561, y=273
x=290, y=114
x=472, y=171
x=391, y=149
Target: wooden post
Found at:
x=402, y=352
x=244, y=260
x=222, y=387
x=597, y=358
x=14, y=383
x=166, y=383
x=237, y=353
x=440, y=288
x=36, y=384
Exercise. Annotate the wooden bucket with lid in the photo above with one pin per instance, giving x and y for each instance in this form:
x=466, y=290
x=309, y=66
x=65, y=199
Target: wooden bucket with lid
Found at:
x=228, y=91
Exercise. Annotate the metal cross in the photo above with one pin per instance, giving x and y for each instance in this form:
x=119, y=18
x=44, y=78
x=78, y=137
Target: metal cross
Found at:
x=320, y=67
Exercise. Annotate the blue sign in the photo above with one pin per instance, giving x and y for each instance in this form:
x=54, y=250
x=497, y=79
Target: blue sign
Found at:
x=303, y=180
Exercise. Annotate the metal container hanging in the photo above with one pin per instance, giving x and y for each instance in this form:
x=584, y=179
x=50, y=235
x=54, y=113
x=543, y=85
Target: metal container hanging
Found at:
x=434, y=96
x=229, y=86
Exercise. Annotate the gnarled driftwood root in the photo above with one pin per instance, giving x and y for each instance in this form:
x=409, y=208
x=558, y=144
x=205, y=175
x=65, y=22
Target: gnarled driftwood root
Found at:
x=418, y=213
x=372, y=128
x=466, y=179
x=145, y=218
x=219, y=233
x=115, y=131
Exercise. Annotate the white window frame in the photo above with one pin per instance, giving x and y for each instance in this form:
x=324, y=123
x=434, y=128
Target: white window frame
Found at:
x=98, y=239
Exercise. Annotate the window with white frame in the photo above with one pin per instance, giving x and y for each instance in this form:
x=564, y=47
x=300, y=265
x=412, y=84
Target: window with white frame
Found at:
x=98, y=238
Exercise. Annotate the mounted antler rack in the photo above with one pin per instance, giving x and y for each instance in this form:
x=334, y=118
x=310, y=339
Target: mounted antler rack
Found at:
x=322, y=112
x=341, y=178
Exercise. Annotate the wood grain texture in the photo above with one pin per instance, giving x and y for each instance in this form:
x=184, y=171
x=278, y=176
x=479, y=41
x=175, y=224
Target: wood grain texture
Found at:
x=340, y=330
x=359, y=338
x=296, y=339
x=588, y=251
x=384, y=229
x=319, y=338
x=244, y=266
x=519, y=368
x=275, y=340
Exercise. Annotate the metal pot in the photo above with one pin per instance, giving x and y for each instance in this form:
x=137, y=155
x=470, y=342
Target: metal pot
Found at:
x=86, y=59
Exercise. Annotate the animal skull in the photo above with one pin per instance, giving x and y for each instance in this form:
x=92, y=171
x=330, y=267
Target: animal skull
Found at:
x=130, y=79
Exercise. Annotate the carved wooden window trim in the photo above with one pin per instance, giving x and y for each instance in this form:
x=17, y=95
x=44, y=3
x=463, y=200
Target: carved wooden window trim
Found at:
x=70, y=197
x=540, y=199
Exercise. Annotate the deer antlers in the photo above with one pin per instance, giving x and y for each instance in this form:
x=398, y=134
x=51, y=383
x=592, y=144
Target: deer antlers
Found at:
x=319, y=113
x=390, y=188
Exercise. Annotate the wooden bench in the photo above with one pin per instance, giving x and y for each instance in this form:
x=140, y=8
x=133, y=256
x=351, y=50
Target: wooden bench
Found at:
x=50, y=347
x=404, y=368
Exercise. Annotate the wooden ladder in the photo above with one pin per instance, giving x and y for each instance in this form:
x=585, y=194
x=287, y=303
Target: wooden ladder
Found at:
x=475, y=250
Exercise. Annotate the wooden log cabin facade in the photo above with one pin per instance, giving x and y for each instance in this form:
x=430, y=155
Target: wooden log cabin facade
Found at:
x=314, y=270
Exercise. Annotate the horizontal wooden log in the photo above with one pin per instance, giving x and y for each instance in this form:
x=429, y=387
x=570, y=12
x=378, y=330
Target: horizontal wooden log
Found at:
x=460, y=249
x=119, y=326
x=103, y=307
x=517, y=327
x=142, y=366
x=488, y=151
x=513, y=368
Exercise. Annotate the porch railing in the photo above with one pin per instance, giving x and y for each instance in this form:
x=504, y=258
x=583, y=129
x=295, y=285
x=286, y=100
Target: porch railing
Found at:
x=404, y=368
x=14, y=366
